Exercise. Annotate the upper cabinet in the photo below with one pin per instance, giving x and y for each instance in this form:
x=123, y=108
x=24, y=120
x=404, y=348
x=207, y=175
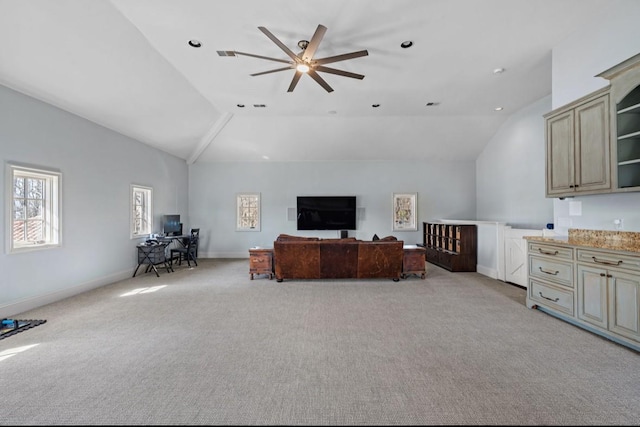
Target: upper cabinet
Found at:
x=625, y=114
x=578, y=147
x=593, y=143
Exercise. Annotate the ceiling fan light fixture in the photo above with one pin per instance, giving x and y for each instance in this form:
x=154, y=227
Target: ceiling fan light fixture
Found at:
x=303, y=68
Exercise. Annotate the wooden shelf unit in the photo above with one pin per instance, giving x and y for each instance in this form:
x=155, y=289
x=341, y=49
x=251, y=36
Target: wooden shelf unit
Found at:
x=451, y=246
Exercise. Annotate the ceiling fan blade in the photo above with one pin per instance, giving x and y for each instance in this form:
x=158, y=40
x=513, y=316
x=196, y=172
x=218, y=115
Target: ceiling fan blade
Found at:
x=314, y=43
x=342, y=57
x=280, y=44
x=262, y=57
x=339, y=72
x=320, y=80
x=272, y=71
x=294, y=82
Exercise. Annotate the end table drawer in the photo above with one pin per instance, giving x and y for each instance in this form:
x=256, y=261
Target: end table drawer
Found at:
x=261, y=262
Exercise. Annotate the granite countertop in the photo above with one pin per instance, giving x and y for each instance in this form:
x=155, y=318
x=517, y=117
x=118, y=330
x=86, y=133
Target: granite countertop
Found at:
x=627, y=241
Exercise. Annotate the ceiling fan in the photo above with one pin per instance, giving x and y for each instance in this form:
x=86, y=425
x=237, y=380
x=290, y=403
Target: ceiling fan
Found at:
x=305, y=63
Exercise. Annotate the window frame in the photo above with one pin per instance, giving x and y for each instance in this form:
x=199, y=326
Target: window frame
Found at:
x=51, y=206
x=239, y=202
x=148, y=191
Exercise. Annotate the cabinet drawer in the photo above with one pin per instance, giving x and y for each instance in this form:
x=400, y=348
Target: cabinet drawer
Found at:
x=608, y=260
x=260, y=262
x=549, y=269
x=551, y=296
x=413, y=261
x=550, y=250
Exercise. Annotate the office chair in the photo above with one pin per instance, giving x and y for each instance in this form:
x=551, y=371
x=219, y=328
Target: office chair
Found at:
x=189, y=251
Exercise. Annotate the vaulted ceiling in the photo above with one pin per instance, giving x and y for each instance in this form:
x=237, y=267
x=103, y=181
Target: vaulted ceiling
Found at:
x=127, y=65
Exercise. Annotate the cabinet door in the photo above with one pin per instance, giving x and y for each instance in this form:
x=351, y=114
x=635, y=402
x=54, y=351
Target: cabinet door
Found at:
x=592, y=295
x=560, y=154
x=624, y=304
x=592, y=161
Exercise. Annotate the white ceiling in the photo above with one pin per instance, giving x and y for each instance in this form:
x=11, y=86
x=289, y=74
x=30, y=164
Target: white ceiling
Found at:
x=126, y=65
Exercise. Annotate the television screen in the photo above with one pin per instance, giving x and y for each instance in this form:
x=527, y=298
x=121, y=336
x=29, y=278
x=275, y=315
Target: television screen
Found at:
x=171, y=225
x=326, y=212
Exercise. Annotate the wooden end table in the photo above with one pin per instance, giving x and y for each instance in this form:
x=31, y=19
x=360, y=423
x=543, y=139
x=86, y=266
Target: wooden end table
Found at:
x=261, y=261
x=413, y=261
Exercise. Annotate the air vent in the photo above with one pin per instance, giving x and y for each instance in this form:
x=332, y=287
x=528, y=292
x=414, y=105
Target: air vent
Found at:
x=226, y=53
x=259, y=105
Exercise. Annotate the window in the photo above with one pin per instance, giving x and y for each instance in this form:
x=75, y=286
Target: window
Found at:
x=141, y=211
x=34, y=208
x=248, y=212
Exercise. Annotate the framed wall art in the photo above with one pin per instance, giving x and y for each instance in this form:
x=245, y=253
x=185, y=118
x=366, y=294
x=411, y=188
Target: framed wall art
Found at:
x=405, y=211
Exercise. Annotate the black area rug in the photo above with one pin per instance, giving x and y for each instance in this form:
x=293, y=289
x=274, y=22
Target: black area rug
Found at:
x=12, y=326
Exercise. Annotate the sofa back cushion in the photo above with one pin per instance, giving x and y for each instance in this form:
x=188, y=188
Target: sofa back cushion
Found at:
x=290, y=238
x=380, y=259
x=300, y=260
x=338, y=259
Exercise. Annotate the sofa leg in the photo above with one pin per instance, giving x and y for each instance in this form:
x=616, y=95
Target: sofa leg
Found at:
x=395, y=279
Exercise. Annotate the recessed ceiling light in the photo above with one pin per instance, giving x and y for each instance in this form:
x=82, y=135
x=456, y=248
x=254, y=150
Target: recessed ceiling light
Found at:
x=240, y=105
x=406, y=44
x=265, y=157
x=375, y=105
x=498, y=71
x=333, y=112
x=194, y=43
x=498, y=108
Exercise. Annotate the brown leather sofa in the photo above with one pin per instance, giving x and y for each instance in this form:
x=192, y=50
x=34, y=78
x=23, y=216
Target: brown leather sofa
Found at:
x=314, y=258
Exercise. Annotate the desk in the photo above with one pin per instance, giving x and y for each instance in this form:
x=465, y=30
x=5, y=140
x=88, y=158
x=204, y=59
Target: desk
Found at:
x=153, y=255
x=171, y=239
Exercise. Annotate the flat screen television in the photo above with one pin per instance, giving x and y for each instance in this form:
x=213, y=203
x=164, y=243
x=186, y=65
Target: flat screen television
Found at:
x=171, y=225
x=326, y=212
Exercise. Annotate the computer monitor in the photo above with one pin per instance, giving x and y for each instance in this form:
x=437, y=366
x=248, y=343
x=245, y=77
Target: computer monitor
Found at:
x=171, y=225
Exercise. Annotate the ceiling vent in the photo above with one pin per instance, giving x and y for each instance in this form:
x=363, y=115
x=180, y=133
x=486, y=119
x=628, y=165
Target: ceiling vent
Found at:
x=259, y=105
x=226, y=53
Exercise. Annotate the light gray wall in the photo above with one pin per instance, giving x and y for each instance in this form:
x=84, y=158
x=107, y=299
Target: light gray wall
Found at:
x=445, y=190
x=611, y=40
x=98, y=166
x=510, y=172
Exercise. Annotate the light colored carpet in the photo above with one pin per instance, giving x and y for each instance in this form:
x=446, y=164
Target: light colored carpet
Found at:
x=213, y=347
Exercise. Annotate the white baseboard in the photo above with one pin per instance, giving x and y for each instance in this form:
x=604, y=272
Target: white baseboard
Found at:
x=491, y=272
x=27, y=304
x=244, y=254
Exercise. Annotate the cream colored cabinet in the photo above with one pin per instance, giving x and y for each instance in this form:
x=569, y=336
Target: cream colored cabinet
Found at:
x=624, y=96
x=551, y=283
x=578, y=147
x=608, y=291
x=592, y=296
x=598, y=289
